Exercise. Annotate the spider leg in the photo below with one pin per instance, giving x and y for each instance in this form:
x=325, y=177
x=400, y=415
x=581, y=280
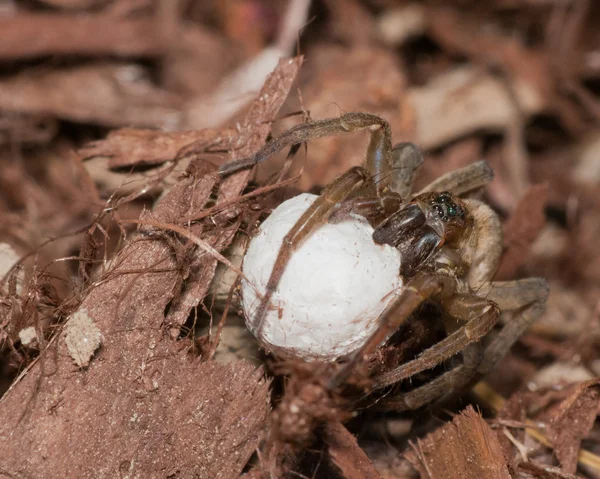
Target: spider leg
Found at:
x=448, y=382
x=406, y=158
x=525, y=300
x=480, y=316
x=422, y=287
x=304, y=132
x=463, y=180
x=527, y=297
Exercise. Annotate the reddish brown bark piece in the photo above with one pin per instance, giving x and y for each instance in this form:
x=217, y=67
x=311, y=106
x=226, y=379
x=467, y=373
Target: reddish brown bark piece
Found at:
x=573, y=422
x=141, y=408
x=463, y=449
x=108, y=94
x=257, y=123
x=346, y=454
x=522, y=229
x=27, y=35
x=128, y=146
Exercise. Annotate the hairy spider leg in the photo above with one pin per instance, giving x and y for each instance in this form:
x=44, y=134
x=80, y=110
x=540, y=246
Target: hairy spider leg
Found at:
x=410, y=296
x=447, y=383
x=523, y=299
x=479, y=314
x=304, y=132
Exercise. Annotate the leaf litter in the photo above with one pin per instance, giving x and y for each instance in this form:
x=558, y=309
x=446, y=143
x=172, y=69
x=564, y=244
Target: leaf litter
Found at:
x=96, y=230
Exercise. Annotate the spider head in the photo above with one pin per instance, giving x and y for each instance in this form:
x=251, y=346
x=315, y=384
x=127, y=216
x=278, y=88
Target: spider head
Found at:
x=446, y=214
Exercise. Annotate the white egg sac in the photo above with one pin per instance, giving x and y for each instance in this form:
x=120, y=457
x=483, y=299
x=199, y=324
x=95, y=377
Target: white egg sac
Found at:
x=333, y=288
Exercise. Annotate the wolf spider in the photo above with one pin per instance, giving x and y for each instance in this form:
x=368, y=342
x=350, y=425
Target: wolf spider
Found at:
x=450, y=249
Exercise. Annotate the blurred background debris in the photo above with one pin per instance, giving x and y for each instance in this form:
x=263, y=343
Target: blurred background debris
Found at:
x=105, y=105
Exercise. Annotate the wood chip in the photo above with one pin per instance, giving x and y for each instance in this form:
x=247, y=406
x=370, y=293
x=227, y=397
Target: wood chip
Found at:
x=522, y=229
x=573, y=422
x=129, y=147
x=463, y=449
x=122, y=96
x=27, y=35
x=346, y=454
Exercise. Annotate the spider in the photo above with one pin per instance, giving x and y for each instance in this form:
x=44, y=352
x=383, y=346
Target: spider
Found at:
x=450, y=247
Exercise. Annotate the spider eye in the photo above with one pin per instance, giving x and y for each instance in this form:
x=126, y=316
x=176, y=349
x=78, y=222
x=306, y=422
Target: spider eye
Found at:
x=452, y=211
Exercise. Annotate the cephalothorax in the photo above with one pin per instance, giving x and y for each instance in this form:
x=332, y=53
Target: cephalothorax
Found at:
x=450, y=248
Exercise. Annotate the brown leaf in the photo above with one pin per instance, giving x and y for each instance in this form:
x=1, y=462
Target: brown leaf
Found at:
x=346, y=454
x=573, y=422
x=462, y=449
